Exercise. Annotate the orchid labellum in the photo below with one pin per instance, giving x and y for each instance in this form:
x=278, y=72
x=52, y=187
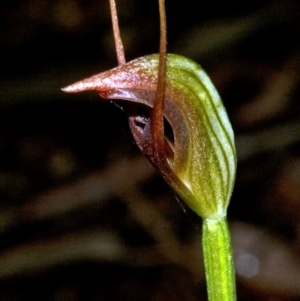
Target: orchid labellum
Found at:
x=199, y=162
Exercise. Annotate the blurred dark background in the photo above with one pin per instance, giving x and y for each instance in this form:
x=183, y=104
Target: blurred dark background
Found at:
x=83, y=216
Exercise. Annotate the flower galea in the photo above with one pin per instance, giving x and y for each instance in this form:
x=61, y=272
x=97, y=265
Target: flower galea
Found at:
x=199, y=162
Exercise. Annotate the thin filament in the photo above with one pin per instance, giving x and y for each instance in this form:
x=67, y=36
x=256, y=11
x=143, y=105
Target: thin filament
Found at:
x=156, y=118
x=116, y=31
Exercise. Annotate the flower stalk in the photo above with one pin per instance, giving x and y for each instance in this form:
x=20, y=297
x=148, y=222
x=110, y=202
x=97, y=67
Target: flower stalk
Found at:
x=218, y=260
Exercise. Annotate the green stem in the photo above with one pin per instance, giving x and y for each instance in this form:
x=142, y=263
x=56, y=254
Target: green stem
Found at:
x=218, y=260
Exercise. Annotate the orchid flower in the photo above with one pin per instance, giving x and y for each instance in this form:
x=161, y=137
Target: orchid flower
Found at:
x=199, y=162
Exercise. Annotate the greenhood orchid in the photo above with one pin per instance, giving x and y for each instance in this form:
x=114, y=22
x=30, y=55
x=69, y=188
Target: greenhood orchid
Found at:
x=201, y=162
